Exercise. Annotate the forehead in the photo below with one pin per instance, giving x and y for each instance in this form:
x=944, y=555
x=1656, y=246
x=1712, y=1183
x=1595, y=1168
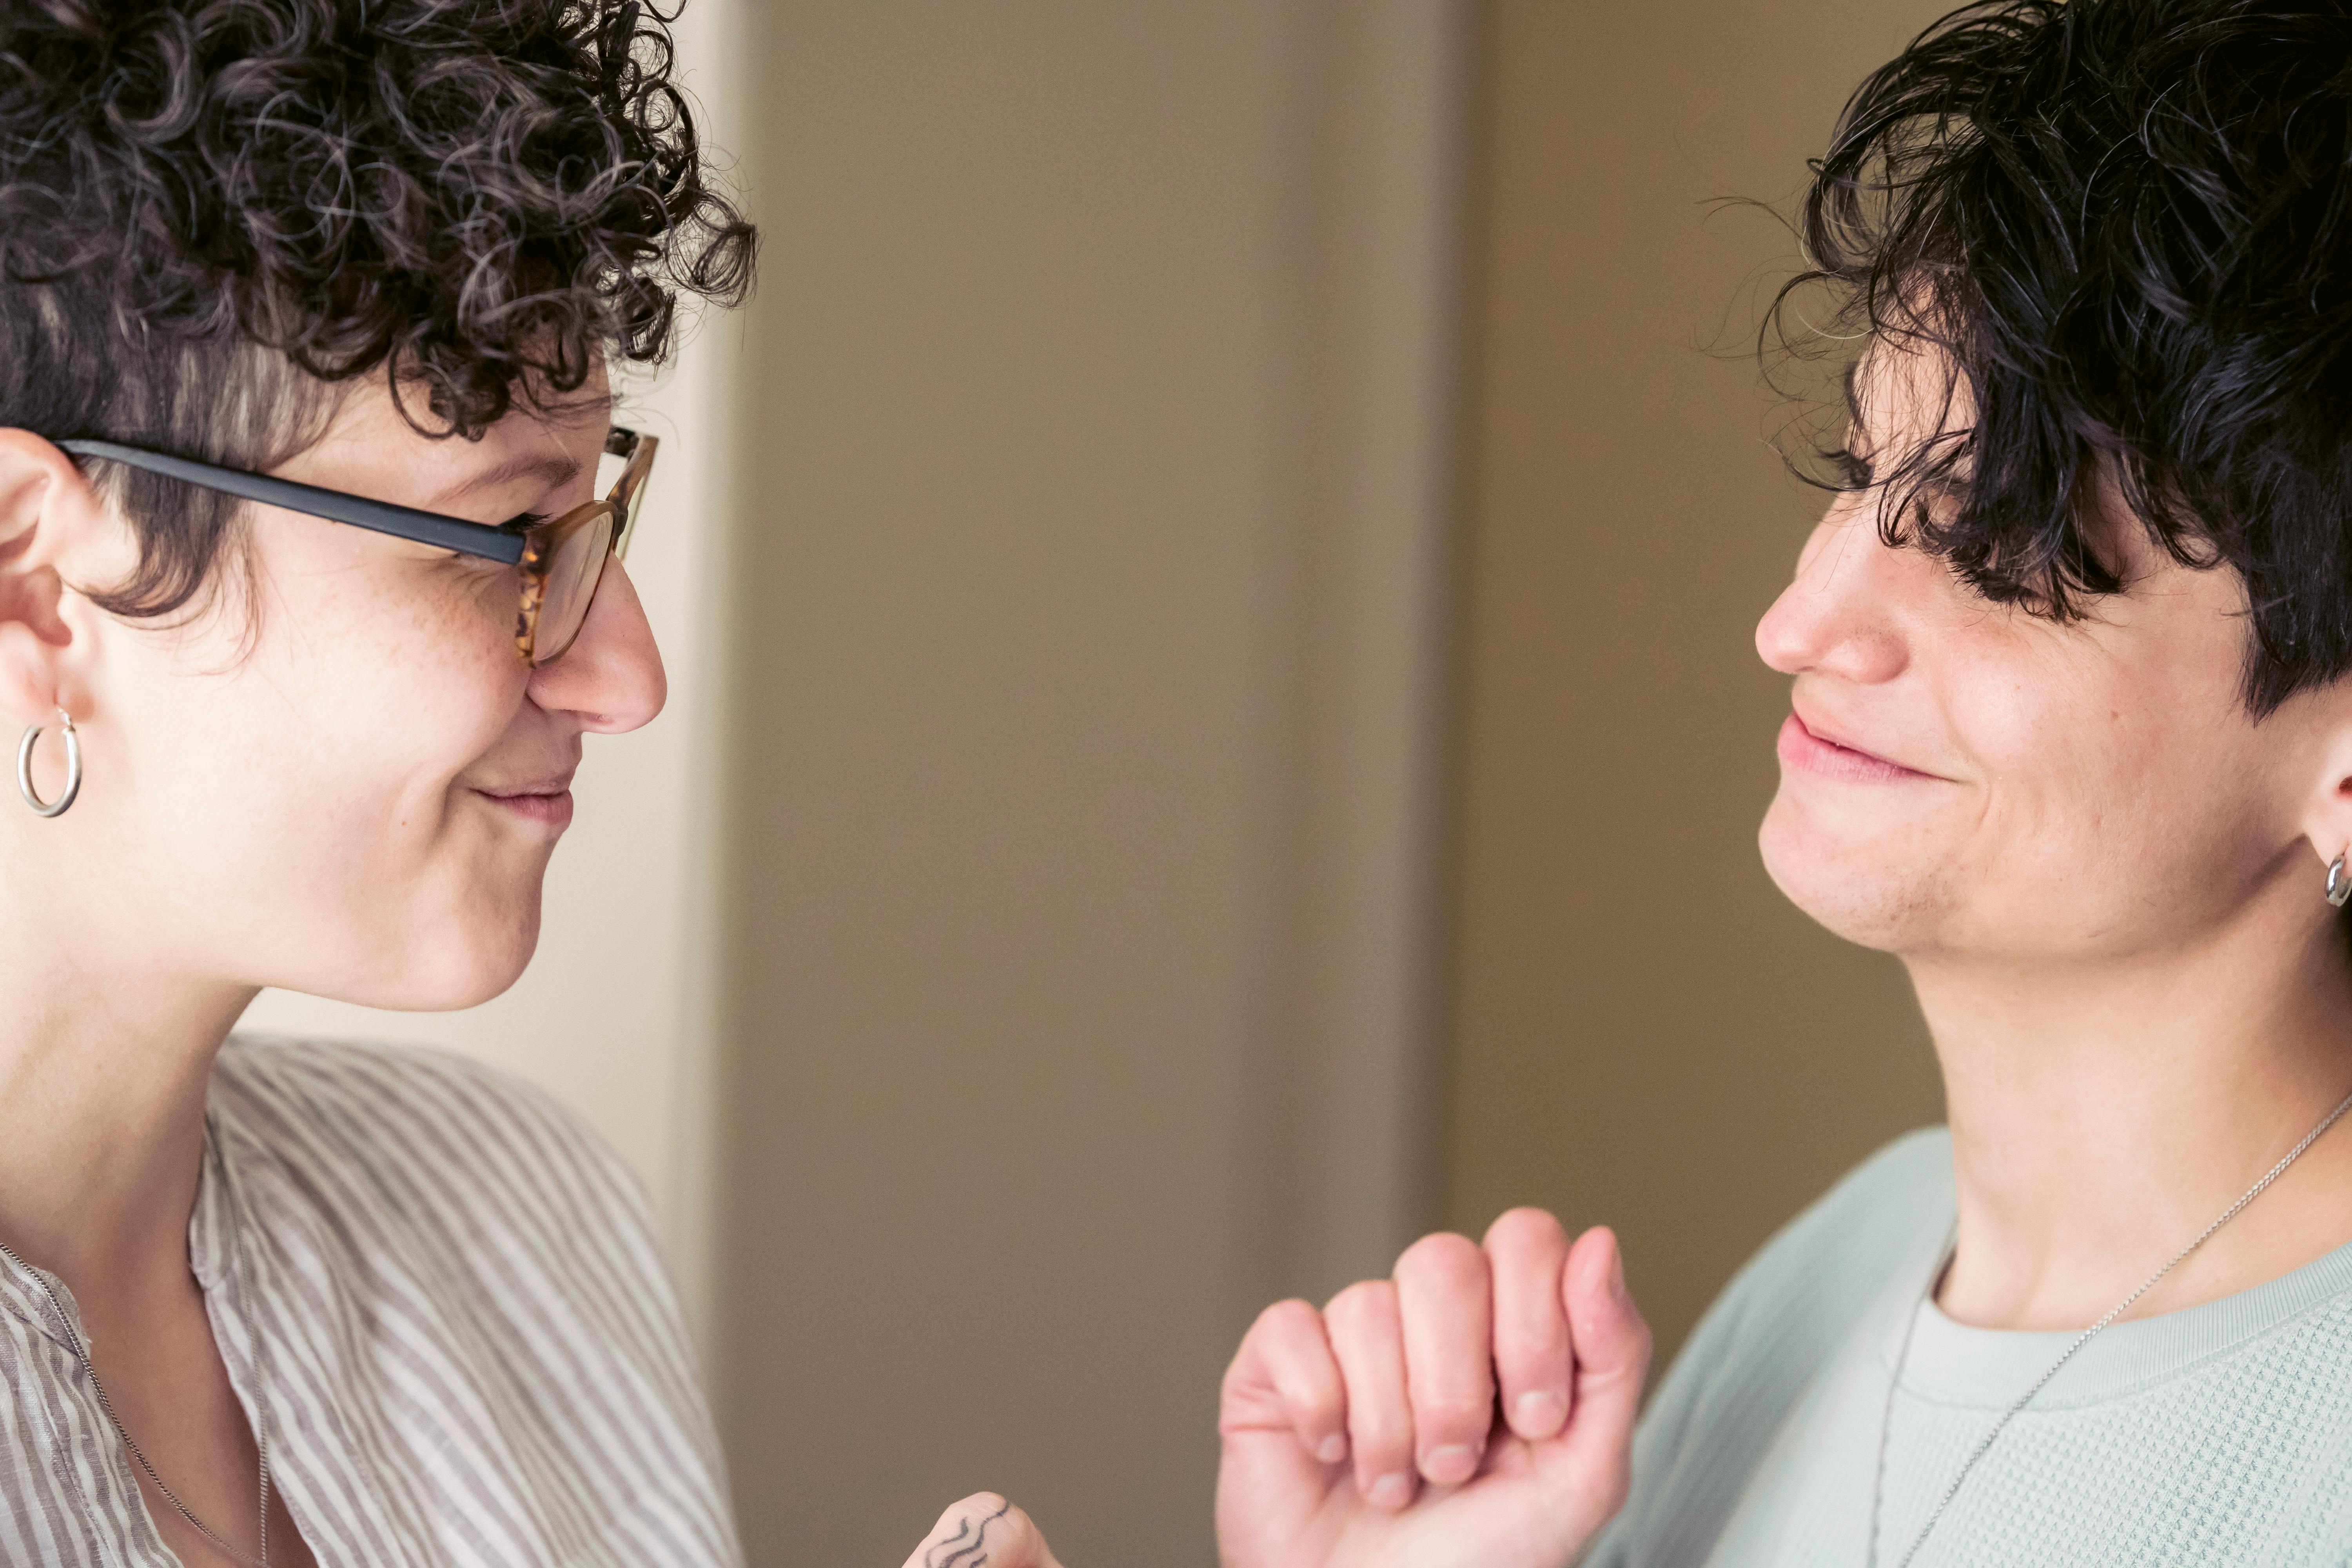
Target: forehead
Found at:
x=372, y=439
x=1904, y=391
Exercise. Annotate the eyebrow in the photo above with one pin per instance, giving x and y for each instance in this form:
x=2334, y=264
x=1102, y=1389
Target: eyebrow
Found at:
x=557, y=469
x=1848, y=383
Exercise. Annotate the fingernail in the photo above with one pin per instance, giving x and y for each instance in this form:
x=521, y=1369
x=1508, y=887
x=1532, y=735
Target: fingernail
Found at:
x=1452, y=1465
x=1617, y=1274
x=1538, y=1415
x=1392, y=1491
x=1334, y=1450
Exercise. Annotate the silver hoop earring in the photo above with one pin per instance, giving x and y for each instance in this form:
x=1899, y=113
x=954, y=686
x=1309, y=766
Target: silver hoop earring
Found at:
x=73, y=770
x=2339, y=886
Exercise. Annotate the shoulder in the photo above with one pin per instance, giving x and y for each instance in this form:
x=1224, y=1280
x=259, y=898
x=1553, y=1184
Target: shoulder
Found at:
x=433, y=1127
x=1800, y=1292
x=1820, y=1269
x=466, y=1277
x=376, y=1173
x=1791, y=1308
x=1861, y=1226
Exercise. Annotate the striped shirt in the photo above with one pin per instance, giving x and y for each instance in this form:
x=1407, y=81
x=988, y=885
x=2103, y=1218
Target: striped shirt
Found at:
x=440, y=1294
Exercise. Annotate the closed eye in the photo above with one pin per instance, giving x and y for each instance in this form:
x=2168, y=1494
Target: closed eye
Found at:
x=521, y=522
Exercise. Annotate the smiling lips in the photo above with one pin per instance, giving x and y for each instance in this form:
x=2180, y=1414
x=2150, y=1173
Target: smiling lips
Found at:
x=1800, y=748
x=549, y=803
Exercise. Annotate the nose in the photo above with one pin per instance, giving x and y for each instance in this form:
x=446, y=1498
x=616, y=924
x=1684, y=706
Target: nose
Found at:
x=611, y=678
x=1843, y=614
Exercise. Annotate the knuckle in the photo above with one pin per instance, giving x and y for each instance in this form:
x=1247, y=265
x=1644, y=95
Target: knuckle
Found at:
x=1285, y=1318
x=1525, y=1227
x=1365, y=1301
x=1445, y=1258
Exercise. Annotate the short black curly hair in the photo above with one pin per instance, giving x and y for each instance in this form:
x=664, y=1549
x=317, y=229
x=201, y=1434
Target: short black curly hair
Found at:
x=212, y=212
x=2127, y=227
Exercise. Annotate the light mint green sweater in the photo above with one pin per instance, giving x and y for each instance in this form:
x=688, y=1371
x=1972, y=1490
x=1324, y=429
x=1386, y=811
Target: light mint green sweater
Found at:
x=2218, y=1434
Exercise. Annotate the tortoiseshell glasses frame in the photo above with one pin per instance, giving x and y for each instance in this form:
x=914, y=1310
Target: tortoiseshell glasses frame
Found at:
x=560, y=559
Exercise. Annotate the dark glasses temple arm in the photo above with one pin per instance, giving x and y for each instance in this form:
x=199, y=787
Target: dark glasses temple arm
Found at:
x=402, y=521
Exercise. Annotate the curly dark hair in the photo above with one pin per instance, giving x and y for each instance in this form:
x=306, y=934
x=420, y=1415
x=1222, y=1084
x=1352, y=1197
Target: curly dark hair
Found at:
x=2125, y=227
x=212, y=212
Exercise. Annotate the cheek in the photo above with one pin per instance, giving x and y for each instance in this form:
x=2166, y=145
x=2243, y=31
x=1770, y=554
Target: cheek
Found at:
x=2099, y=799
x=378, y=694
x=2114, y=804
x=314, y=822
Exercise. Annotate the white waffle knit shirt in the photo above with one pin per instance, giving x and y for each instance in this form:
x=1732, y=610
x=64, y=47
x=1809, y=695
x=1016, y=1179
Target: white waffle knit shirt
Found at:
x=2218, y=1434
x=452, y=1319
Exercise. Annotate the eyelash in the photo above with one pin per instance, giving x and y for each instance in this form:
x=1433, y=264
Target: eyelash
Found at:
x=1856, y=472
x=520, y=521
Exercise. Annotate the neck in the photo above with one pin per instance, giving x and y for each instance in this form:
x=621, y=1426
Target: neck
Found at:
x=2104, y=1113
x=102, y=1078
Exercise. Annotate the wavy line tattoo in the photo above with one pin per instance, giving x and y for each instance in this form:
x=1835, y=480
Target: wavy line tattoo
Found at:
x=960, y=1551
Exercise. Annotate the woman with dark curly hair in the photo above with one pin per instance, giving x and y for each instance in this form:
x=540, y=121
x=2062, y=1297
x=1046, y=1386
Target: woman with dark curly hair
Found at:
x=309, y=589
x=2072, y=735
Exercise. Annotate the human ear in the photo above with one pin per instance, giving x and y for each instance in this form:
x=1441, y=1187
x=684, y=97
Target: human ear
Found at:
x=50, y=522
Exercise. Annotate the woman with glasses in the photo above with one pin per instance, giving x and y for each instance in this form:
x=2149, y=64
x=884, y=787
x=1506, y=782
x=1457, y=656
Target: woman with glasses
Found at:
x=312, y=507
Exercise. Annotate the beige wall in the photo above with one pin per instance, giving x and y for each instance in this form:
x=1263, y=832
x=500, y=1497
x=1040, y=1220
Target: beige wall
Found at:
x=1081, y=851
x=1644, y=1032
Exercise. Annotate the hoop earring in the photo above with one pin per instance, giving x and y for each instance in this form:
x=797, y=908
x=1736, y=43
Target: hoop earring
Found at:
x=73, y=769
x=2339, y=886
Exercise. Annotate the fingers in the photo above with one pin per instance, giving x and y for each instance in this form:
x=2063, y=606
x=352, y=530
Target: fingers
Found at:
x=1612, y=1356
x=1401, y=1376
x=1368, y=1338
x=1445, y=1300
x=1527, y=1253
x=984, y=1528
x=1287, y=1374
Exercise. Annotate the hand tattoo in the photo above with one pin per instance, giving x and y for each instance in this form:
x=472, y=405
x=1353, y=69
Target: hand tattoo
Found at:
x=960, y=1551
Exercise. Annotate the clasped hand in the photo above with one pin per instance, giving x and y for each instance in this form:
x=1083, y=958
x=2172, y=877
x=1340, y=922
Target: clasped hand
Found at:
x=1474, y=1410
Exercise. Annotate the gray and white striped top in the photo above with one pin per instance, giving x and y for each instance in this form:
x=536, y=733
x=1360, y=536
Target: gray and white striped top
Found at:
x=451, y=1311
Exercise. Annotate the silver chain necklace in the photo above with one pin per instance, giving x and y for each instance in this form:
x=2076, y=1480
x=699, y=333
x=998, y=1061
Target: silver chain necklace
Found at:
x=261, y=1430
x=1886, y=1420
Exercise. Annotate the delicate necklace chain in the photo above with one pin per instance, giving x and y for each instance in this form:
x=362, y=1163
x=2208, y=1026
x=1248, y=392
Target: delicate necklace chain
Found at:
x=1887, y=1421
x=260, y=1427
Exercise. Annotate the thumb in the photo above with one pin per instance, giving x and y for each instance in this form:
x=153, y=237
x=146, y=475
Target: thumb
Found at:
x=1612, y=1356
x=984, y=1529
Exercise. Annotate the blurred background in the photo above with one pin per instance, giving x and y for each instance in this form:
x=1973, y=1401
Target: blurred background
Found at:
x=1213, y=725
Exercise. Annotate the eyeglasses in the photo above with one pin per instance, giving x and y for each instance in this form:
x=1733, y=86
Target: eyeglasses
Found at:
x=561, y=558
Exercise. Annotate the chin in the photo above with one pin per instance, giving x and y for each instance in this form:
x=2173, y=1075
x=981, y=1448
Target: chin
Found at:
x=469, y=987
x=1873, y=889
x=463, y=963
x=487, y=967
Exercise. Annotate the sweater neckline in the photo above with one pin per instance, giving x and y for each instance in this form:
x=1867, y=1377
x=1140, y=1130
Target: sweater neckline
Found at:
x=1951, y=1363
